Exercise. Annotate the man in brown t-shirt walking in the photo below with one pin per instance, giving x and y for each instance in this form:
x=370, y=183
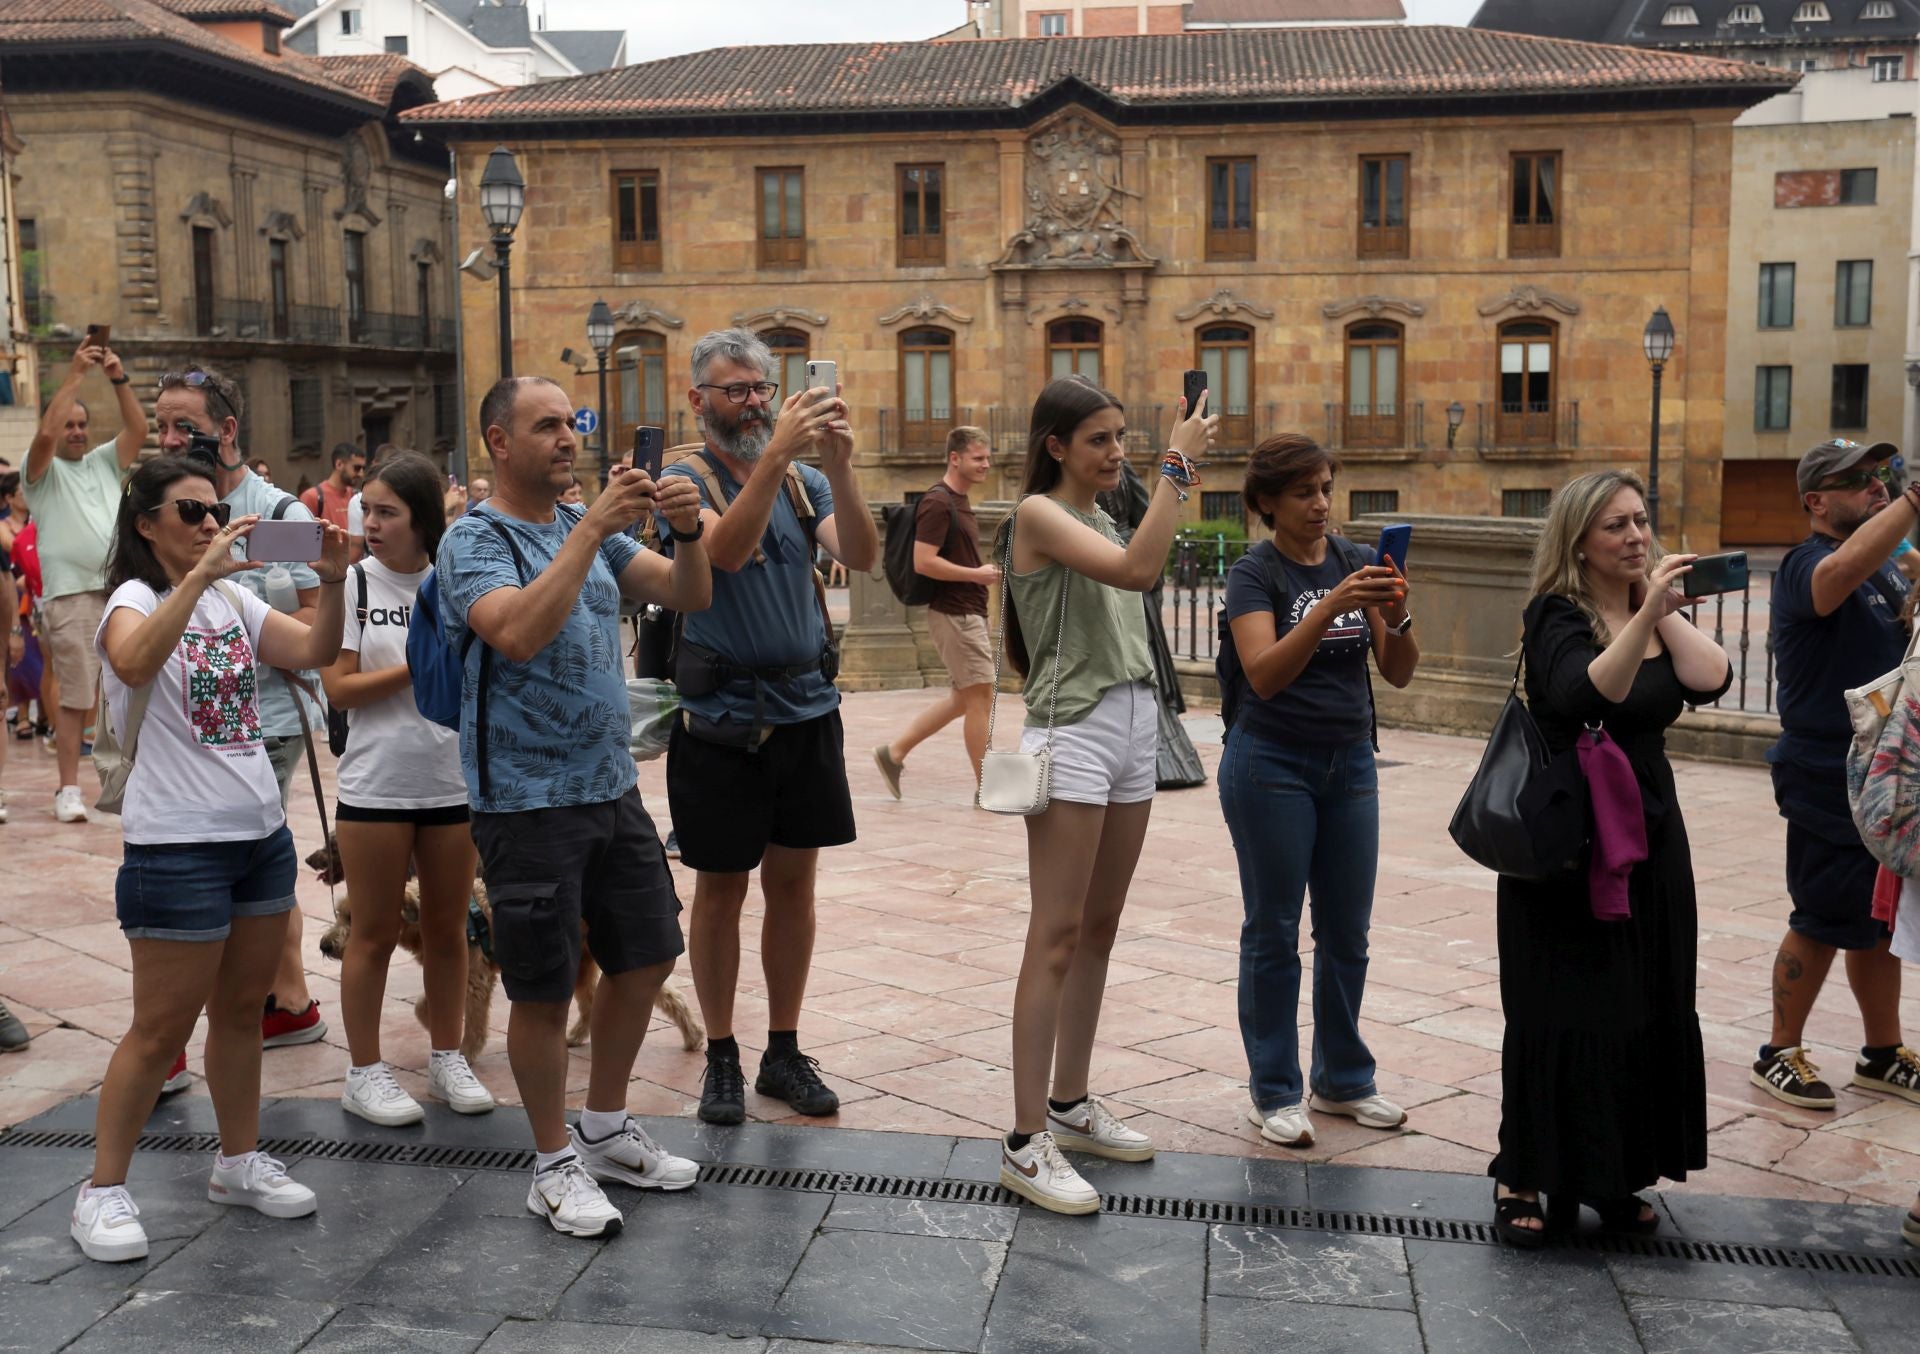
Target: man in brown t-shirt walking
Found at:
x=946, y=549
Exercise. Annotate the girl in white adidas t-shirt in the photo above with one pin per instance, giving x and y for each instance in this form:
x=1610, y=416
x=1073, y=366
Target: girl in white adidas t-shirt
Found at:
x=401, y=799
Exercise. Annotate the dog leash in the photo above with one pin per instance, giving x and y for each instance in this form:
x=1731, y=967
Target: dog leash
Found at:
x=327, y=842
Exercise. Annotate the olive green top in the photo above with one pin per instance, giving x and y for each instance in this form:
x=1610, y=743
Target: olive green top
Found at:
x=1104, y=644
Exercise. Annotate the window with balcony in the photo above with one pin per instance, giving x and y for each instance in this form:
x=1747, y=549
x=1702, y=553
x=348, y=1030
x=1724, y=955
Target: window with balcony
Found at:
x=356, y=260
x=1533, y=229
x=1776, y=296
x=1853, y=294
x=790, y=349
x=203, y=289
x=1363, y=501
x=926, y=387
x=1849, y=397
x=1772, y=398
x=920, y=239
x=1225, y=353
x=279, y=293
x=1073, y=349
x=1373, y=385
x=1859, y=187
x=636, y=220
x=1887, y=68
x=783, y=222
x=1526, y=411
x=1383, y=206
x=1525, y=502
x=1230, y=208
x=640, y=384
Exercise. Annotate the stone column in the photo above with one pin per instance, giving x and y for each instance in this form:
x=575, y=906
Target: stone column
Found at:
x=885, y=646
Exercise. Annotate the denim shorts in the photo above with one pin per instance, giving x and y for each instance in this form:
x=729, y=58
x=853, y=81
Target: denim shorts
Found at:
x=194, y=890
x=1108, y=757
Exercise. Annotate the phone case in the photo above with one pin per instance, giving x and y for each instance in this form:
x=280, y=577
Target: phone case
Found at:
x=1190, y=387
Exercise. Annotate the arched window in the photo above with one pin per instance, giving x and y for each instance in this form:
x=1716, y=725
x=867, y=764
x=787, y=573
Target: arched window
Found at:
x=1073, y=349
x=640, y=387
x=926, y=387
x=1374, y=352
x=789, y=360
x=1225, y=353
x=1527, y=362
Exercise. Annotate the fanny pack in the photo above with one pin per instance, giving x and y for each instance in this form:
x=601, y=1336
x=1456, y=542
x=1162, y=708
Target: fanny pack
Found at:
x=699, y=671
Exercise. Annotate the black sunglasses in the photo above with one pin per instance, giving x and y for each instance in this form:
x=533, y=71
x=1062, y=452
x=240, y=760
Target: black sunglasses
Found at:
x=193, y=512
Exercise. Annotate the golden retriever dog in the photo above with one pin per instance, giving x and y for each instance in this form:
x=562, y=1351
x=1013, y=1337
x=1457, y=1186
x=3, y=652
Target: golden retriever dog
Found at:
x=483, y=975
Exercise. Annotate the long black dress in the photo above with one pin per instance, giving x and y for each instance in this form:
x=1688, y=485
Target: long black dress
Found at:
x=1603, y=1081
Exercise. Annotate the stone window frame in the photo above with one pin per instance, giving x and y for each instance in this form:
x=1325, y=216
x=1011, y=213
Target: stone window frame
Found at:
x=783, y=250
x=1097, y=347
x=1527, y=425
x=1386, y=241
x=927, y=246
x=1374, y=430
x=1235, y=431
x=931, y=429
x=1230, y=243
x=788, y=356
x=1772, y=389
x=638, y=255
x=1770, y=317
x=1531, y=238
x=1845, y=315
x=649, y=344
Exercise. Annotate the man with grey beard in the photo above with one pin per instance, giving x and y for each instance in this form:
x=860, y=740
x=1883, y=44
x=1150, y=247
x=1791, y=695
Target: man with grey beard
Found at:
x=756, y=769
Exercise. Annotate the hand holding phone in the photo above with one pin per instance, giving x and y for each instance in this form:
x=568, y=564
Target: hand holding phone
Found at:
x=1716, y=573
x=1394, y=540
x=824, y=376
x=649, y=450
x=1193, y=385
x=285, y=542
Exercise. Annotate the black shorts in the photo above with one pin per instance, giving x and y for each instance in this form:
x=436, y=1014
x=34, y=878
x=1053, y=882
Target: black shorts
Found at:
x=549, y=870
x=450, y=815
x=1830, y=874
x=730, y=804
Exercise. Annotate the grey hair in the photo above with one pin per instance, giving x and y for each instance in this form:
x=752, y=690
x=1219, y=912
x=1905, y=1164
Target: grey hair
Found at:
x=736, y=345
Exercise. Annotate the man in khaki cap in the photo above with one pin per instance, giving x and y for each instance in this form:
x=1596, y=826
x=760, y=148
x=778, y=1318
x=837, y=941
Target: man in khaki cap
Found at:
x=1836, y=608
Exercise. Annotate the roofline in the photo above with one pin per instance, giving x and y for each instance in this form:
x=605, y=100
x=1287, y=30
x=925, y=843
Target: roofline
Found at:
x=346, y=101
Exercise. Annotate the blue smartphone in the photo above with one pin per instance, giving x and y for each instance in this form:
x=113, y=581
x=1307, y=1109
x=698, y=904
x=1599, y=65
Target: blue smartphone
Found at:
x=1394, y=540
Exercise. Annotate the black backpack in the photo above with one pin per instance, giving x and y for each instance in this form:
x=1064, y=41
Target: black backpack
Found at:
x=908, y=583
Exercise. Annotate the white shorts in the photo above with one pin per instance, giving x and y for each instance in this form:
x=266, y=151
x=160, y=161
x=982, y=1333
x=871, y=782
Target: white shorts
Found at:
x=1108, y=757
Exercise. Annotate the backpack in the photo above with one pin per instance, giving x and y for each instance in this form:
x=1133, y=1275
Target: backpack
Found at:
x=902, y=532
x=1226, y=666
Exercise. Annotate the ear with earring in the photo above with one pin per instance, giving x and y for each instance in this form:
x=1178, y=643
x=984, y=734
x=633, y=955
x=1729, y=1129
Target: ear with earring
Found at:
x=1580, y=555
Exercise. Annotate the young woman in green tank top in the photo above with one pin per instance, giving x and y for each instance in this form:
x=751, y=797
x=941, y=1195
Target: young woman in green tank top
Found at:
x=1102, y=723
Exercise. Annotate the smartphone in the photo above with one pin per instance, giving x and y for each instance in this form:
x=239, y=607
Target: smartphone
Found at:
x=823, y=376
x=649, y=450
x=97, y=334
x=1716, y=573
x=1394, y=540
x=1192, y=386
x=284, y=542
x=453, y=481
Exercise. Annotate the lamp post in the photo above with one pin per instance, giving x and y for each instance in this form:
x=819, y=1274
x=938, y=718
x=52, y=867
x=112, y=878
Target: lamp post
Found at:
x=600, y=338
x=503, y=196
x=1456, y=415
x=1658, y=342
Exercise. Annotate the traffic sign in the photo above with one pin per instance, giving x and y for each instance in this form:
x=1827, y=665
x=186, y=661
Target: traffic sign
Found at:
x=585, y=421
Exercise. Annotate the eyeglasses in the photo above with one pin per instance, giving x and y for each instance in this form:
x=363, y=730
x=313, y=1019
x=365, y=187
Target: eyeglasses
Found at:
x=1860, y=479
x=739, y=390
x=193, y=512
x=204, y=382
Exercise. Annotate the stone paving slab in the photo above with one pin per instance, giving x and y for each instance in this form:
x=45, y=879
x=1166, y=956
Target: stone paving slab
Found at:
x=920, y=930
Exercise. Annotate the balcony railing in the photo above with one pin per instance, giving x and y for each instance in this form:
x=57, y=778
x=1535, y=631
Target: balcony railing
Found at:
x=1398, y=427
x=314, y=324
x=241, y=320
x=1514, y=428
x=904, y=431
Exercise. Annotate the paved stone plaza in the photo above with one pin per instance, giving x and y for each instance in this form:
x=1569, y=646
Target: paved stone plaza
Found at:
x=920, y=929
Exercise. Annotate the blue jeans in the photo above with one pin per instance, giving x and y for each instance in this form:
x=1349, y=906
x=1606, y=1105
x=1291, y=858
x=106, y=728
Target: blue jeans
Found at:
x=1303, y=820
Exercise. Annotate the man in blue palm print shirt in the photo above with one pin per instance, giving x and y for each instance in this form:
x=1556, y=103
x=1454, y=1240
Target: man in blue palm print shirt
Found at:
x=557, y=818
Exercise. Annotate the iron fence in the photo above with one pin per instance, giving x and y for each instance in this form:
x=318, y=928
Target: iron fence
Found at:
x=314, y=324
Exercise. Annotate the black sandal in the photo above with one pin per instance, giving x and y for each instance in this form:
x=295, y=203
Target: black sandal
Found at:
x=1509, y=1211
x=1623, y=1215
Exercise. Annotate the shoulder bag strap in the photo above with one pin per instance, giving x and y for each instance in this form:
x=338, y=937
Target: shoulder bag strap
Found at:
x=280, y=509
x=1000, y=639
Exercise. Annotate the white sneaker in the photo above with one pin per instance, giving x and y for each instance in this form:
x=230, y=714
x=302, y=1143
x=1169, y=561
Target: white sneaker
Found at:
x=1091, y=1128
x=1373, y=1111
x=259, y=1182
x=1287, y=1125
x=106, y=1223
x=633, y=1158
x=449, y=1079
x=1039, y=1174
x=374, y=1095
x=566, y=1196
x=68, y=807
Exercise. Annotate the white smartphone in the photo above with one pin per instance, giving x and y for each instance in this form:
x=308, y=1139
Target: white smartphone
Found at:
x=823, y=376
x=284, y=542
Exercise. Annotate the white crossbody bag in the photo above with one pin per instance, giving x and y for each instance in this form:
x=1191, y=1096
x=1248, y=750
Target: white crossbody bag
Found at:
x=1020, y=782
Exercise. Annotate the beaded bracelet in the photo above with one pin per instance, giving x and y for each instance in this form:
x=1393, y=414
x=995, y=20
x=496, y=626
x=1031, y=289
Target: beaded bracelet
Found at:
x=1179, y=472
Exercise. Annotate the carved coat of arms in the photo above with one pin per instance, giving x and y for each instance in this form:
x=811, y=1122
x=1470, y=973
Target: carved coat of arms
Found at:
x=1074, y=200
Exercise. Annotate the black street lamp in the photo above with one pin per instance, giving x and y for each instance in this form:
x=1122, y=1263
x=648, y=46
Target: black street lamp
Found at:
x=503, y=196
x=600, y=338
x=1658, y=342
x=1456, y=415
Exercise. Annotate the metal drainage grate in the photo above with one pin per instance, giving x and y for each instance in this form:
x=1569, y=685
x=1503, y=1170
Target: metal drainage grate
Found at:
x=932, y=1190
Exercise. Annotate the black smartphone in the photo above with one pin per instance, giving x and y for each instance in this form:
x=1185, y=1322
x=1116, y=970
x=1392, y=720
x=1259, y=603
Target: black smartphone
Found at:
x=98, y=334
x=1716, y=573
x=1192, y=386
x=649, y=450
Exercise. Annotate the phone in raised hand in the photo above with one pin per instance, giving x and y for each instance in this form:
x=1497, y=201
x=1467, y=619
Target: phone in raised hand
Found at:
x=649, y=451
x=824, y=376
x=285, y=542
x=1192, y=386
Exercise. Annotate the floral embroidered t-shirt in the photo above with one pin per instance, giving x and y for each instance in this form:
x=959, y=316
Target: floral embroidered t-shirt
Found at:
x=200, y=771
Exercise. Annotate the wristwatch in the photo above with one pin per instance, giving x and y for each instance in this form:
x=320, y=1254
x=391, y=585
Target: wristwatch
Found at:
x=118, y=380
x=1401, y=630
x=676, y=534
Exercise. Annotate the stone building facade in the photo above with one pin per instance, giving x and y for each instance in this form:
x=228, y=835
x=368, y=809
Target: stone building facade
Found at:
x=1350, y=241
x=253, y=209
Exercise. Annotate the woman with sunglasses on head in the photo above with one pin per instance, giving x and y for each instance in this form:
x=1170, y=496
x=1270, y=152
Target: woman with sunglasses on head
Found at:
x=1077, y=632
x=402, y=798
x=207, y=879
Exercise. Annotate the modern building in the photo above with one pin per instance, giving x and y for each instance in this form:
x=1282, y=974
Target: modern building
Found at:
x=1353, y=230
x=1823, y=335
x=1122, y=18
x=465, y=46
x=215, y=196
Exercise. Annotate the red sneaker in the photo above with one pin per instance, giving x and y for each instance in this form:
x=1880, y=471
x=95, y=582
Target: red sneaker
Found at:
x=178, y=1079
x=280, y=1029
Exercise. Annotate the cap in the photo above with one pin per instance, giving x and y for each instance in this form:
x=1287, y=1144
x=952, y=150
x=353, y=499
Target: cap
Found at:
x=1838, y=454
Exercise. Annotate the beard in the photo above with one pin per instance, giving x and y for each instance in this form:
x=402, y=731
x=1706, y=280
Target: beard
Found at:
x=746, y=437
x=1847, y=522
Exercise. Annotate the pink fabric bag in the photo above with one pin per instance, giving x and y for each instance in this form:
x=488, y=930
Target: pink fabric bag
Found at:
x=1619, y=824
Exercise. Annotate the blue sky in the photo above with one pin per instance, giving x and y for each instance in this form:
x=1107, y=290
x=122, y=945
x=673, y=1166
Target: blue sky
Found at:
x=658, y=28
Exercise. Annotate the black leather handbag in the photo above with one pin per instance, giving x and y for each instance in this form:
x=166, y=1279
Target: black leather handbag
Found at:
x=1524, y=814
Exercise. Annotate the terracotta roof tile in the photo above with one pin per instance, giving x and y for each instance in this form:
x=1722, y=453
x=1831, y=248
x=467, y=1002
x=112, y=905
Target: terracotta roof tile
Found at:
x=229, y=9
x=373, y=75
x=1292, y=11
x=1262, y=65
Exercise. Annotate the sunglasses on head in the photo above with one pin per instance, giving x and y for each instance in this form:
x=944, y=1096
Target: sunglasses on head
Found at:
x=1860, y=479
x=193, y=512
x=197, y=380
